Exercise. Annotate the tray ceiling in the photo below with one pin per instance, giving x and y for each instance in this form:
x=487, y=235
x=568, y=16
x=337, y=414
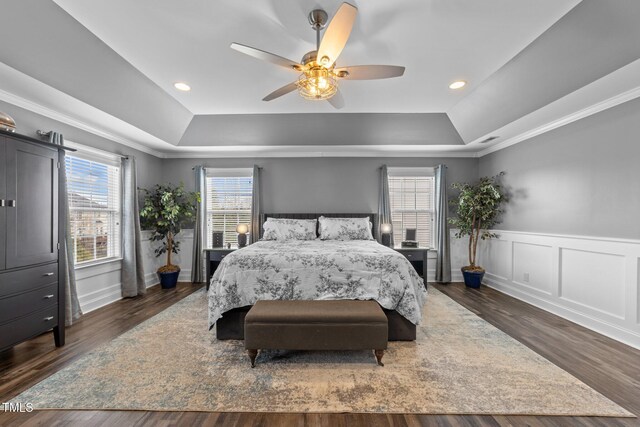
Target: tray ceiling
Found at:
x=108, y=67
x=437, y=40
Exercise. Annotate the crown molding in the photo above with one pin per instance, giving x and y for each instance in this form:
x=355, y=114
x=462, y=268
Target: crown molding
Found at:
x=565, y=120
x=424, y=151
x=301, y=151
x=68, y=120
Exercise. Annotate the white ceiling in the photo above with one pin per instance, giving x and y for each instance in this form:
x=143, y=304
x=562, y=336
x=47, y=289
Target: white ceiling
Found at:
x=437, y=40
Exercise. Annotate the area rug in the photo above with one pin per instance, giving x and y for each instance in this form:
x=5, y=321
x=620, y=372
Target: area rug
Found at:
x=459, y=364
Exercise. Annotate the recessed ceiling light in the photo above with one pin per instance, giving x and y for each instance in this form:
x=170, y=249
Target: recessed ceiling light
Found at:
x=457, y=84
x=182, y=86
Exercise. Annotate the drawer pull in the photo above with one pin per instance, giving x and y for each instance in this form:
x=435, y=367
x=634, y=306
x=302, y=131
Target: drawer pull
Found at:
x=48, y=296
x=47, y=319
x=48, y=274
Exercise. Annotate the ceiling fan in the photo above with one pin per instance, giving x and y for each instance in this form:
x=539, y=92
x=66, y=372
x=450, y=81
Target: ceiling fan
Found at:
x=319, y=75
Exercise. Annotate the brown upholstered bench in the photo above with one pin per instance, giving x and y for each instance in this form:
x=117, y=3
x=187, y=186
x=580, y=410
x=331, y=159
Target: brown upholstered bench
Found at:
x=315, y=325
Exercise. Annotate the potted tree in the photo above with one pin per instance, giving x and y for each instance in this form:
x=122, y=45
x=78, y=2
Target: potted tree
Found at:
x=478, y=207
x=166, y=209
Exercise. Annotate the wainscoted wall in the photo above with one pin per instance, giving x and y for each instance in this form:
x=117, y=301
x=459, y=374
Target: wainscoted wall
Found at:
x=99, y=285
x=589, y=280
x=578, y=180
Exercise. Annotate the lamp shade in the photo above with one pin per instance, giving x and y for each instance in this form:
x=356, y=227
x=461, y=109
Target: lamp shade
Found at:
x=242, y=228
x=385, y=228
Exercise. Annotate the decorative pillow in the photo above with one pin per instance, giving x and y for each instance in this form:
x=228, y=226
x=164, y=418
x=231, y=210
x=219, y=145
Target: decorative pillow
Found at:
x=289, y=229
x=345, y=228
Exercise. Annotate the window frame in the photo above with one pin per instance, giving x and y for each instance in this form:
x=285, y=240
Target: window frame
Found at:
x=415, y=172
x=225, y=173
x=108, y=160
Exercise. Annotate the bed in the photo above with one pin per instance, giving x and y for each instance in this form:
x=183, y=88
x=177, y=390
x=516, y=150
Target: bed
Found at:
x=316, y=269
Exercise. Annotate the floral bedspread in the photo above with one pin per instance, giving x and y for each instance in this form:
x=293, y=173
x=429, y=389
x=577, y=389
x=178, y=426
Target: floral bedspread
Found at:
x=316, y=270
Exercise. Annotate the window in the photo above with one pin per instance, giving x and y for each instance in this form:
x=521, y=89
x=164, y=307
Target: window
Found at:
x=411, y=194
x=228, y=203
x=94, y=194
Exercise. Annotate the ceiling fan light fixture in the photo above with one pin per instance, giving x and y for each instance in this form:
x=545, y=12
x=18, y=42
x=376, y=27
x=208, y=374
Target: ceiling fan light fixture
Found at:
x=317, y=84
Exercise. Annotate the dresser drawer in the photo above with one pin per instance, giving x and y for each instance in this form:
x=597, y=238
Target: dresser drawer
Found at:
x=27, y=279
x=28, y=302
x=26, y=327
x=217, y=256
x=411, y=255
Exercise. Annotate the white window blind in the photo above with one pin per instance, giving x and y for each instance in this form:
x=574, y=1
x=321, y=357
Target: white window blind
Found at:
x=412, y=206
x=94, y=194
x=228, y=204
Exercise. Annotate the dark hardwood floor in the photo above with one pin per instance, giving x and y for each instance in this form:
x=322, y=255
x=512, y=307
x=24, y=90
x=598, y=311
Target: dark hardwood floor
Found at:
x=609, y=367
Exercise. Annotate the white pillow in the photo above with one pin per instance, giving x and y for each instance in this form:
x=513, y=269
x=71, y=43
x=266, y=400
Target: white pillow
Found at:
x=345, y=228
x=289, y=229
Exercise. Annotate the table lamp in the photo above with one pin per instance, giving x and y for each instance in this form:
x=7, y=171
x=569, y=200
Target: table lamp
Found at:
x=242, y=230
x=385, y=229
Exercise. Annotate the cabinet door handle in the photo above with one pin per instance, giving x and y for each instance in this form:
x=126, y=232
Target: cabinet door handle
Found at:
x=12, y=203
x=48, y=274
x=47, y=319
x=48, y=296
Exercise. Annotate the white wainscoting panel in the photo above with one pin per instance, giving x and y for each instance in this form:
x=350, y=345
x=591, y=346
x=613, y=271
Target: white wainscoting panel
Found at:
x=98, y=285
x=591, y=281
x=594, y=280
x=533, y=266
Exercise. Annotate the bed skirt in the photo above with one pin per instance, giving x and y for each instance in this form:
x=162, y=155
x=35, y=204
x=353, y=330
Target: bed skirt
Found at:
x=231, y=325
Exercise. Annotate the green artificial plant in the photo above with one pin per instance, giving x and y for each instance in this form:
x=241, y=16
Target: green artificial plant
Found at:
x=166, y=209
x=478, y=207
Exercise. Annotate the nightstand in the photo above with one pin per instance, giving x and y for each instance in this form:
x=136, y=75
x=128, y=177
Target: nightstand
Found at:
x=417, y=257
x=212, y=260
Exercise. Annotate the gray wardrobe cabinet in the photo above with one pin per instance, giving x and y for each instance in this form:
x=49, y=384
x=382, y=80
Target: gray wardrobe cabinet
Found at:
x=31, y=232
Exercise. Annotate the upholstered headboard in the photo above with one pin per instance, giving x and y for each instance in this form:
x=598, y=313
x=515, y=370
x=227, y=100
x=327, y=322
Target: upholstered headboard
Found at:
x=372, y=217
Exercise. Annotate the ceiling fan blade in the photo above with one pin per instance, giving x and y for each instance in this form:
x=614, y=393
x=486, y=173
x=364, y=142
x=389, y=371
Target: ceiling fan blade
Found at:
x=336, y=35
x=266, y=56
x=337, y=101
x=282, y=91
x=370, y=72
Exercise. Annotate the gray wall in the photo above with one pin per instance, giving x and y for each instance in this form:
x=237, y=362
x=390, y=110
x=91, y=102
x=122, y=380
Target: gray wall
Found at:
x=321, y=129
x=319, y=184
x=149, y=167
x=581, y=179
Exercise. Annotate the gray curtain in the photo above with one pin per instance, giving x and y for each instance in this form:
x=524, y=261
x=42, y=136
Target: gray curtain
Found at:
x=132, y=270
x=254, y=230
x=200, y=228
x=384, y=203
x=443, y=257
x=66, y=256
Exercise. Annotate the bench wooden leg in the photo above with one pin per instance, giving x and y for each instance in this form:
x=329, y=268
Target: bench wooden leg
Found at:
x=252, y=356
x=379, y=354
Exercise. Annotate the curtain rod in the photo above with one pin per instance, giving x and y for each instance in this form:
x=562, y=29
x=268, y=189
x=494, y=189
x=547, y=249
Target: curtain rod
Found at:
x=207, y=167
x=88, y=148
